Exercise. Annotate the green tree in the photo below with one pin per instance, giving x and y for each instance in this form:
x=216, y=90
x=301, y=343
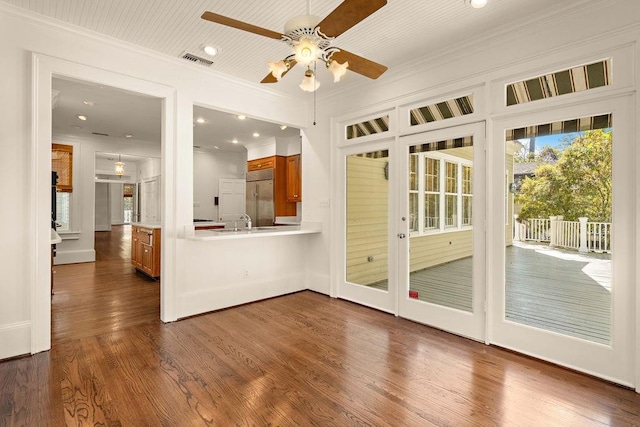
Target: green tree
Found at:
x=579, y=184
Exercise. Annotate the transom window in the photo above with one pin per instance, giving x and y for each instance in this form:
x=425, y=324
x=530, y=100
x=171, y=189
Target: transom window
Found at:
x=440, y=193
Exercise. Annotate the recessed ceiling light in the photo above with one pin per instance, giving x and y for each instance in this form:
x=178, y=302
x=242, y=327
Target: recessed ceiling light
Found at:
x=81, y=117
x=200, y=120
x=234, y=141
x=283, y=127
x=478, y=4
x=76, y=127
x=256, y=134
x=89, y=103
x=128, y=135
x=241, y=117
x=210, y=50
x=216, y=147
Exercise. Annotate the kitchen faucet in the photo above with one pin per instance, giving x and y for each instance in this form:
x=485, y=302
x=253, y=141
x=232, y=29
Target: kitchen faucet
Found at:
x=247, y=219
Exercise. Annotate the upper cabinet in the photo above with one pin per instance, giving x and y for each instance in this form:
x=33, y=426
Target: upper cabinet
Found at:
x=294, y=178
x=260, y=164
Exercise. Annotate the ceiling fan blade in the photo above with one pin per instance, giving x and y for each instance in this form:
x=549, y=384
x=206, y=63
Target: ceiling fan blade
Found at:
x=360, y=65
x=269, y=77
x=230, y=22
x=348, y=14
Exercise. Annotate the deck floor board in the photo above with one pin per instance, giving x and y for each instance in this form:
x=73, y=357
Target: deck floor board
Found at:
x=552, y=289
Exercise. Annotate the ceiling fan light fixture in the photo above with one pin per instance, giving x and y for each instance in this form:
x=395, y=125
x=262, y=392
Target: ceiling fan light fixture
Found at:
x=338, y=70
x=309, y=82
x=306, y=50
x=278, y=68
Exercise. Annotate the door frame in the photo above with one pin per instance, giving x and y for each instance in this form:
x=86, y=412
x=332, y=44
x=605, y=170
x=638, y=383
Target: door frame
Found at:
x=44, y=68
x=619, y=358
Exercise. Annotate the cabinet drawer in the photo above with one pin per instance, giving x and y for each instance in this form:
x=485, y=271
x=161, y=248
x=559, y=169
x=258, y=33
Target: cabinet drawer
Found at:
x=145, y=236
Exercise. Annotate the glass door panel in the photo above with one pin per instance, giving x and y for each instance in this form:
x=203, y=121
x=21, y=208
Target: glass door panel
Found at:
x=368, y=273
x=558, y=250
x=367, y=219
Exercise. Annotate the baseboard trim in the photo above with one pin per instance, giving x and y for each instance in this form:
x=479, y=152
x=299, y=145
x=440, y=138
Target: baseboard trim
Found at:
x=319, y=283
x=74, y=257
x=15, y=339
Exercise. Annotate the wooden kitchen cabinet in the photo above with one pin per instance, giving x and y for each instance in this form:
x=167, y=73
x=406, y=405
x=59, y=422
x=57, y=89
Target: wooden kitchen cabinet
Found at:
x=294, y=179
x=263, y=163
x=145, y=250
x=282, y=206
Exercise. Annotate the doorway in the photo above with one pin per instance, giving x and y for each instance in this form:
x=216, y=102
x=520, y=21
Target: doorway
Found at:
x=44, y=68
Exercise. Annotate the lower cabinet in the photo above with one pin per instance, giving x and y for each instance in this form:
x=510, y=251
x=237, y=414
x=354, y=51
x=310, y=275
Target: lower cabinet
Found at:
x=145, y=250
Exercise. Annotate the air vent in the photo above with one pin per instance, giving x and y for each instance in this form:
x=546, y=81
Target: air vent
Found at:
x=196, y=59
x=99, y=134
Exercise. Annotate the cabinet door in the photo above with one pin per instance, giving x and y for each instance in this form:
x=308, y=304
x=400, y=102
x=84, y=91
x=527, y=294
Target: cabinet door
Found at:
x=294, y=181
x=263, y=163
x=147, y=259
x=135, y=248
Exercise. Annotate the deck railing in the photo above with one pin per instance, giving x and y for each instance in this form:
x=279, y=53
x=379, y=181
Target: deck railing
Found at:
x=581, y=235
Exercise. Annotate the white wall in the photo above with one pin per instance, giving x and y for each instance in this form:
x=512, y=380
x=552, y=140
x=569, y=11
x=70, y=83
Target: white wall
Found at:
x=102, y=217
x=117, y=203
x=208, y=168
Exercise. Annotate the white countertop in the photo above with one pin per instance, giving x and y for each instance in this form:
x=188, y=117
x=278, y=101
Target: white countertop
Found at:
x=152, y=225
x=55, y=237
x=286, y=230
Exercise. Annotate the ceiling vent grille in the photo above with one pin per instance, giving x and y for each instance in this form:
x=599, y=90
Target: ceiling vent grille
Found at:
x=99, y=133
x=197, y=60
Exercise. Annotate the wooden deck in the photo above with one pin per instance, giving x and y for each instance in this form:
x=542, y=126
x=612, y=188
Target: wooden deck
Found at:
x=552, y=289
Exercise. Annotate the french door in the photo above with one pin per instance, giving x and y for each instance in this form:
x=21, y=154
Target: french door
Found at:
x=414, y=228
x=562, y=268
x=441, y=241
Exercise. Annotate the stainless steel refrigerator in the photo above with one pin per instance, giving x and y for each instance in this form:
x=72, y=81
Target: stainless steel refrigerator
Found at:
x=260, y=205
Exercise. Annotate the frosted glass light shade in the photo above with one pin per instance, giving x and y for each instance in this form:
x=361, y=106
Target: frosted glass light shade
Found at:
x=278, y=68
x=338, y=70
x=309, y=82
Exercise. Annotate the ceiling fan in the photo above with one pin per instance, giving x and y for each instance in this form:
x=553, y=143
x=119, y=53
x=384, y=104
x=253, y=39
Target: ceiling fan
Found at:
x=311, y=38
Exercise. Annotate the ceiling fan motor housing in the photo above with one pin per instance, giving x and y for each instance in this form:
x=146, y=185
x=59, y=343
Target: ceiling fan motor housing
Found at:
x=302, y=31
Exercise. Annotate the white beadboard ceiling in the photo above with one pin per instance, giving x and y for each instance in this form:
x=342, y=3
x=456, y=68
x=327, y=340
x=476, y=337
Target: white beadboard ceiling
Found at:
x=399, y=34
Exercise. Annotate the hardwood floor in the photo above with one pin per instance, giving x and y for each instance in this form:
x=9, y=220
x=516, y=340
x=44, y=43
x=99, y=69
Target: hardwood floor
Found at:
x=301, y=359
x=108, y=295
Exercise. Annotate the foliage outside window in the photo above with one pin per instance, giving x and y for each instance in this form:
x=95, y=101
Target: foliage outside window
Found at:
x=579, y=184
x=440, y=193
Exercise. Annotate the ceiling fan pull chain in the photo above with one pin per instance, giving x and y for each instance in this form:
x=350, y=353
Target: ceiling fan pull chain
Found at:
x=315, y=69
